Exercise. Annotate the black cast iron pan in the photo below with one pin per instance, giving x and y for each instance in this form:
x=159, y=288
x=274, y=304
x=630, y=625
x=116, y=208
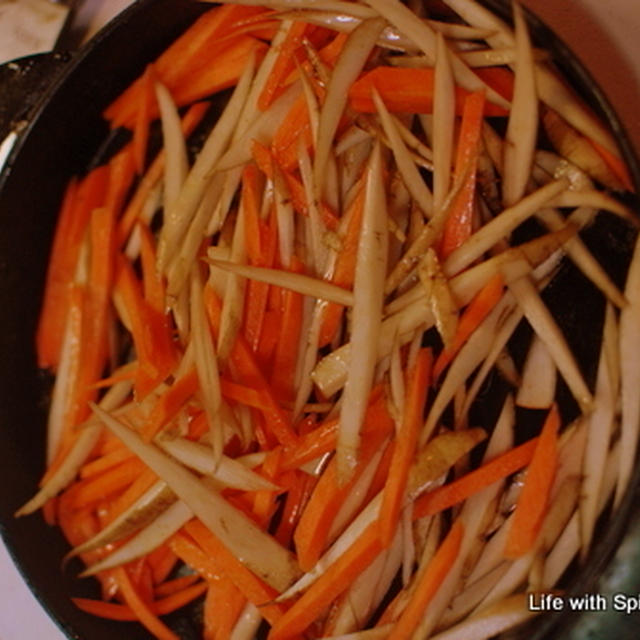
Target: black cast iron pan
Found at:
x=60, y=139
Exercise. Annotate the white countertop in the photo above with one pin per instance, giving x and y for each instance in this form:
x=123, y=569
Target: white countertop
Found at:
x=606, y=37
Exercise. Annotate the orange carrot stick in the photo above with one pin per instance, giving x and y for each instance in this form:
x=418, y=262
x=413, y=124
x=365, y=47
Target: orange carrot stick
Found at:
x=150, y=330
x=194, y=49
x=285, y=356
x=428, y=584
x=315, y=522
x=497, y=469
x=221, y=73
x=243, y=362
x=79, y=201
x=477, y=310
x=405, y=90
x=143, y=119
x=616, y=164
x=284, y=64
x=170, y=403
x=254, y=589
x=263, y=158
x=328, y=586
x=222, y=607
x=458, y=226
x=125, y=613
x=534, y=498
x=345, y=267
x=140, y=608
x=405, y=447
x=153, y=285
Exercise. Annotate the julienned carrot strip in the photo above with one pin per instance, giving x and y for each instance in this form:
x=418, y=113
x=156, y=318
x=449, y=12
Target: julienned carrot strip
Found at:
x=345, y=267
x=101, y=464
x=162, y=561
x=150, y=330
x=143, y=119
x=54, y=308
x=257, y=293
x=285, y=357
x=323, y=438
x=192, y=555
x=121, y=174
x=533, y=500
x=195, y=48
x=190, y=121
x=222, y=607
x=94, y=350
x=153, y=284
x=616, y=164
x=79, y=201
x=222, y=73
x=500, y=79
x=284, y=63
x=125, y=372
x=477, y=310
x=404, y=90
x=404, y=451
x=295, y=502
x=254, y=589
x=170, y=403
x=264, y=159
x=428, y=584
x=455, y=492
x=311, y=534
x=140, y=608
x=329, y=586
x=243, y=362
x=285, y=141
x=243, y=395
x=90, y=491
x=177, y=584
x=264, y=505
x=459, y=224
x=124, y=612
x=250, y=199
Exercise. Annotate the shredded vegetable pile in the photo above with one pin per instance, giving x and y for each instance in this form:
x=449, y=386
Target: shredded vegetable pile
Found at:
x=285, y=376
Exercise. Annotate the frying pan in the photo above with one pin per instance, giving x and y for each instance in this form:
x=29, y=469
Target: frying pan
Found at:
x=63, y=134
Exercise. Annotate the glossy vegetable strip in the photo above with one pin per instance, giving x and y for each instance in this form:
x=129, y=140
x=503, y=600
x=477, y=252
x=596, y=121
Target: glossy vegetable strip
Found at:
x=150, y=330
x=328, y=586
x=222, y=607
x=285, y=62
x=312, y=532
x=533, y=501
x=79, y=201
x=345, y=266
x=221, y=74
x=405, y=90
x=459, y=224
x=251, y=586
x=190, y=51
x=168, y=604
x=464, y=487
x=249, y=372
x=428, y=583
x=483, y=302
x=394, y=493
x=140, y=608
x=170, y=403
x=143, y=119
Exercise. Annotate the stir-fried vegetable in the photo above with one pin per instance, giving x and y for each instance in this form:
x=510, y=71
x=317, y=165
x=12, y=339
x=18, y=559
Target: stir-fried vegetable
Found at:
x=278, y=361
